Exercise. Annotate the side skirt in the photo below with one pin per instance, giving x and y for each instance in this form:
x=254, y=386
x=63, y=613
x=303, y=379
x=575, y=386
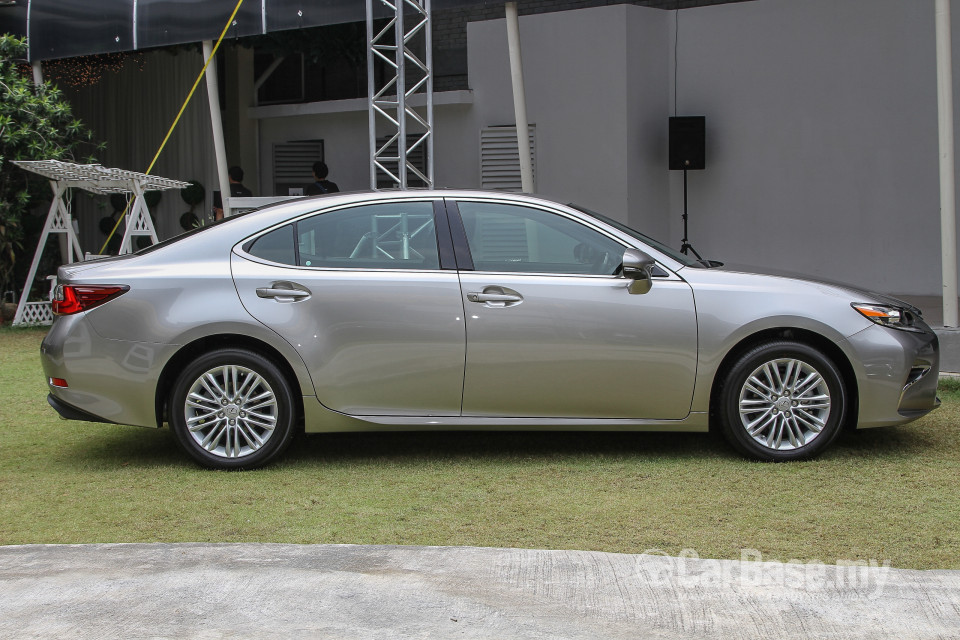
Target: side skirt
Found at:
x=319, y=419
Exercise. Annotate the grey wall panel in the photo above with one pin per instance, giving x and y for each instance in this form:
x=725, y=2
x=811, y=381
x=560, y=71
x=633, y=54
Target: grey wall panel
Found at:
x=165, y=22
x=296, y=14
x=13, y=19
x=67, y=28
x=648, y=194
x=821, y=138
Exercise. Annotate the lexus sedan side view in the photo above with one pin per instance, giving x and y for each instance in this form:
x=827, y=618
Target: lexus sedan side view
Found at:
x=452, y=310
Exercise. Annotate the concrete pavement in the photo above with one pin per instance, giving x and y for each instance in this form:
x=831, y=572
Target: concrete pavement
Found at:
x=343, y=591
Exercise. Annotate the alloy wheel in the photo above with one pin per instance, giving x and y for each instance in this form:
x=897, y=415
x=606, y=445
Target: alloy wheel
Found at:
x=231, y=411
x=784, y=404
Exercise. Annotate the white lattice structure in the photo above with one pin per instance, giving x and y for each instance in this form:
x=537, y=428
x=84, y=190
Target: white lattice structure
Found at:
x=95, y=179
x=36, y=313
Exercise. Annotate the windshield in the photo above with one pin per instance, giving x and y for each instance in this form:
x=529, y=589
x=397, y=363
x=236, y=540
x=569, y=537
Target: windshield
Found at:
x=659, y=246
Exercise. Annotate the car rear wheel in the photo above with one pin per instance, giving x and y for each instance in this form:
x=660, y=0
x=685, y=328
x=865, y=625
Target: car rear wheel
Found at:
x=232, y=409
x=782, y=400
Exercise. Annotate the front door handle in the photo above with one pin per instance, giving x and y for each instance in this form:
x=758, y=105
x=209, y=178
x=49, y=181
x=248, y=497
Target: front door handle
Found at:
x=284, y=292
x=495, y=297
x=476, y=296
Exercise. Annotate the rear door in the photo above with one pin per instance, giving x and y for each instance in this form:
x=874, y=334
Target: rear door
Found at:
x=552, y=332
x=362, y=294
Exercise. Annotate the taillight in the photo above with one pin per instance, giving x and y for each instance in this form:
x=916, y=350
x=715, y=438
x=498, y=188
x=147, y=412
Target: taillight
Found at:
x=74, y=298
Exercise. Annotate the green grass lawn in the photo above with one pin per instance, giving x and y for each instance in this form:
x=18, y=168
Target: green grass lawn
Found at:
x=885, y=494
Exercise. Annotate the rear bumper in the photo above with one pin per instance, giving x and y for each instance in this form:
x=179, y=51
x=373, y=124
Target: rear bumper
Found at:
x=69, y=412
x=113, y=380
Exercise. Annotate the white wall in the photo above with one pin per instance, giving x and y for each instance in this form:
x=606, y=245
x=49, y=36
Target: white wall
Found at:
x=821, y=138
x=821, y=128
x=345, y=147
x=576, y=97
x=574, y=65
x=646, y=133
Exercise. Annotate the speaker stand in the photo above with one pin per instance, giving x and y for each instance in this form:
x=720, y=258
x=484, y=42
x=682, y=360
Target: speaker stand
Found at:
x=685, y=244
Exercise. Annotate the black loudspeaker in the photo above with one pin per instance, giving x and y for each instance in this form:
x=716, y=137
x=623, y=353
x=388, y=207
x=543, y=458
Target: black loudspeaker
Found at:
x=687, y=142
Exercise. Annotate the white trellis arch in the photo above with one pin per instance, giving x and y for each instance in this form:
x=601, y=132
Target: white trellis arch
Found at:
x=95, y=179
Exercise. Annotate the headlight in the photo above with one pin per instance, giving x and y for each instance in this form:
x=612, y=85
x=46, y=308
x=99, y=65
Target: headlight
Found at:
x=893, y=317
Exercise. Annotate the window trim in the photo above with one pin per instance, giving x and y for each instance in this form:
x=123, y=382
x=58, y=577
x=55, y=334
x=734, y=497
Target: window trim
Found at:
x=458, y=233
x=441, y=218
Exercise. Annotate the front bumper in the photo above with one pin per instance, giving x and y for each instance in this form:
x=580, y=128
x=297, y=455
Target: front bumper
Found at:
x=898, y=374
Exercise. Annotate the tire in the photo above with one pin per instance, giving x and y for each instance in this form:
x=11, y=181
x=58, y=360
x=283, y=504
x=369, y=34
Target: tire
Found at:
x=232, y=409
x=782, y=401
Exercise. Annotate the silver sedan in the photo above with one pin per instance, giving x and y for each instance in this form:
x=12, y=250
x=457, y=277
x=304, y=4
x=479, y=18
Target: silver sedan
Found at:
x=469, y=310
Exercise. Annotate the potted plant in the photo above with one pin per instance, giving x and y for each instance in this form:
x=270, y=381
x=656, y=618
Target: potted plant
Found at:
x=192, y=195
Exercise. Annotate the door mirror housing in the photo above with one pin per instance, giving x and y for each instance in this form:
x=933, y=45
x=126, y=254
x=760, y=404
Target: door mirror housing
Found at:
x=637, y=264
x=638, y=267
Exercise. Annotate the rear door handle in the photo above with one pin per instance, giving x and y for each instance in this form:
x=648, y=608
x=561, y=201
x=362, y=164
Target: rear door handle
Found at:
x=265, y=292
x=284, y=292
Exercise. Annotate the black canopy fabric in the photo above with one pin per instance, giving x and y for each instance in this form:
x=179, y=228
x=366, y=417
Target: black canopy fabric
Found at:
x=68, y=28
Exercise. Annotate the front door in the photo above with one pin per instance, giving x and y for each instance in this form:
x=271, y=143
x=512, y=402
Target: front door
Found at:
x=553, y=333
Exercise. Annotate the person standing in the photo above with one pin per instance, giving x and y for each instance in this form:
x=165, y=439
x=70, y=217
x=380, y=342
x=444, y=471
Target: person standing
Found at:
x=320, y=183
x=237, y=190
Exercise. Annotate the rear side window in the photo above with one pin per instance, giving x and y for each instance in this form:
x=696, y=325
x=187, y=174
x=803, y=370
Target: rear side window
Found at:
x=397, y=235
x=276, y=246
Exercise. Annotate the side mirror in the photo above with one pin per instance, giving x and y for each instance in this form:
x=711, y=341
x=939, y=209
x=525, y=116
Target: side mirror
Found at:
x=637, y=266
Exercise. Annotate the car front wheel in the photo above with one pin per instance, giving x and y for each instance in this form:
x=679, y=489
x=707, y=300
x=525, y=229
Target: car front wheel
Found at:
x=782, y=400
x=232, y=409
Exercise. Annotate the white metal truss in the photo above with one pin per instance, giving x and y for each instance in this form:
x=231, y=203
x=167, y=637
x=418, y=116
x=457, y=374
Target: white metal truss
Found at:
x=95, y=179
x=390, y=101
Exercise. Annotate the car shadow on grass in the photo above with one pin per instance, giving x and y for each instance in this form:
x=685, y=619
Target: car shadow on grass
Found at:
x=501, y=445
x=891, y=442
x=113, y=446
x=135, y=447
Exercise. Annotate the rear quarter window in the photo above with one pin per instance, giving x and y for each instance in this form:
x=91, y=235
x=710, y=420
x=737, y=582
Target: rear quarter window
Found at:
x=276, y=246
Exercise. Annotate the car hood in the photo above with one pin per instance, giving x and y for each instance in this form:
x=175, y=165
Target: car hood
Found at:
x=858, y=293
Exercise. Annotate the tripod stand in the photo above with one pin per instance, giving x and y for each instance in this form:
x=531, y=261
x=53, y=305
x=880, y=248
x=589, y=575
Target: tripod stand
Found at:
x=685, y=244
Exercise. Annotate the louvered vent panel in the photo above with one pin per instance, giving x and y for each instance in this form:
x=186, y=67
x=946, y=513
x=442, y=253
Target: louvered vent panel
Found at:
x=293, y=163
x=500, y=158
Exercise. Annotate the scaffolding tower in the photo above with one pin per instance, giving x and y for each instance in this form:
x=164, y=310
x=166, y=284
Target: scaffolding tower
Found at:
x=392, y=98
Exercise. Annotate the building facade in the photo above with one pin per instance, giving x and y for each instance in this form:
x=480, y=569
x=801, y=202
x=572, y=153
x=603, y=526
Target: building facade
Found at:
x=821, y=124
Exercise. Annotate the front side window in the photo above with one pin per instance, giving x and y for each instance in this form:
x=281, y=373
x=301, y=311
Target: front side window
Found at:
x=518, y=239
x=397, y=235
